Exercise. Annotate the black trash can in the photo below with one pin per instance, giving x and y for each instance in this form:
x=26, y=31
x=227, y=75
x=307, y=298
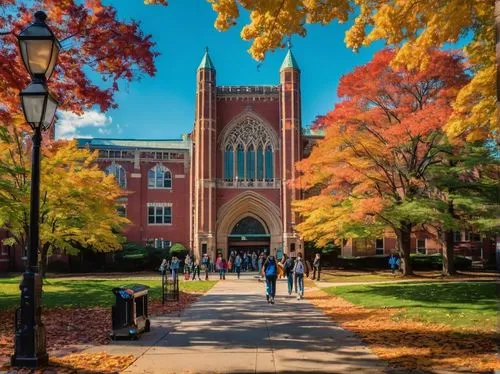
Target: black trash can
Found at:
x=130, y=312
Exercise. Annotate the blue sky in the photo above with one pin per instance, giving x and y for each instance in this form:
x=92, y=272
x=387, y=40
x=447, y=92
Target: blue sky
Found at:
x=163, y=106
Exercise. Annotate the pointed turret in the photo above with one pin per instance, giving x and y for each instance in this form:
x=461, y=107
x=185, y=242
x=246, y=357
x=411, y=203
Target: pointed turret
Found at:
x=289, y=61
x=206, y=62
x=291, y=142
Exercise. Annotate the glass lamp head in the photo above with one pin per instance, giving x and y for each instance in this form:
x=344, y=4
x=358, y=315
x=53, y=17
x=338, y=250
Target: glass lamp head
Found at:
x=39, y=47
x=39, y=106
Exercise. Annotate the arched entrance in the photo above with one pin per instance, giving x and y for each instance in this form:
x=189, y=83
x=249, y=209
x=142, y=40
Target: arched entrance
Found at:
x=249, y=234
x=249, y=204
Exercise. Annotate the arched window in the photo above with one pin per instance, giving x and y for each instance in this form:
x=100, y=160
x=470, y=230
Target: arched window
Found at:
x=244, y=146
x=251, y=163
x=269, y=163
x=228, y=163
x=159, y=177
x=260, y=163
x=119, y=173
x=240, y=169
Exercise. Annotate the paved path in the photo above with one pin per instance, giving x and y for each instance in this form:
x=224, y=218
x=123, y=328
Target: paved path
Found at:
x=233, y=330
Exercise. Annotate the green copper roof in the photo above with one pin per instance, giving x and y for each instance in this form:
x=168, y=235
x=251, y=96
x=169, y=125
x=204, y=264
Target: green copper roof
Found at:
x=206, y=62
x=133, y=143
x=289, y=61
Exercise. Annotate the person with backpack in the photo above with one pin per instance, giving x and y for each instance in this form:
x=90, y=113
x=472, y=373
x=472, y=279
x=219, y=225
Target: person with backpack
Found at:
x=288, y=270
x=174, y=266
x=298, y=271
x=237, y=265
x=270, y=270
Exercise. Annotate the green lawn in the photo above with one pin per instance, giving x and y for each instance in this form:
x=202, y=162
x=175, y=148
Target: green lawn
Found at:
x=84, y=292
x=353, y=277
x=457, y=304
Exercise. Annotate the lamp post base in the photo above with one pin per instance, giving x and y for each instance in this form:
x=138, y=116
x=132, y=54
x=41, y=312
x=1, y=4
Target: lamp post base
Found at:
x=30, y=362
x=30, y=339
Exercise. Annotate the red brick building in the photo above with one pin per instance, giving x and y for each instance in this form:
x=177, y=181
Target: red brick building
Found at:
x=226, y=185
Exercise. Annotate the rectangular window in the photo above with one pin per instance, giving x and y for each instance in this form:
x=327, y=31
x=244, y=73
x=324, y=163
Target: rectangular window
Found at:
x=114, y=154
x=379, y=246
x=457, y=236
x=103, y=153
x=421, y=246
x=159, y=214
x=474, y=237
x=203, y=248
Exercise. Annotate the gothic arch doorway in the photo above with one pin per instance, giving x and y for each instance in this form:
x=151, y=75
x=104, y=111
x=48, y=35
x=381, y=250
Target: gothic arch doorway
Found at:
x=232, y=220
x=249, y=235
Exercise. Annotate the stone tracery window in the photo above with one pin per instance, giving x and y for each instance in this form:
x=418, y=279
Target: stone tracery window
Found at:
x=249, y=152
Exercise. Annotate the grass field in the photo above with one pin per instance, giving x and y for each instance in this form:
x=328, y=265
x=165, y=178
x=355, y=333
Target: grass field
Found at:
x=88, y=292
x=457, y=304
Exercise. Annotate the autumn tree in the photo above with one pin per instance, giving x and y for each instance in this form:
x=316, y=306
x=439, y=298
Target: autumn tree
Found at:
x=78, y=200
x=466, y=181
x=413, y=26
x=95, y=42
x=380, y=141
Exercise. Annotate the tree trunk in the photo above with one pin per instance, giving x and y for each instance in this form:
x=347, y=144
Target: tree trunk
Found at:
x=42, y=267
x=403, y=235
x=448, y=254
x=449, y=245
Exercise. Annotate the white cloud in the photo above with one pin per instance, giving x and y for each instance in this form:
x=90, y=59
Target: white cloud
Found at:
x=70, y=125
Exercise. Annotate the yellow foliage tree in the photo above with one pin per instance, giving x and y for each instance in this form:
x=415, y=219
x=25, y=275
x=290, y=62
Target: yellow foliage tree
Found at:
x=78, y=200
x=413, y=25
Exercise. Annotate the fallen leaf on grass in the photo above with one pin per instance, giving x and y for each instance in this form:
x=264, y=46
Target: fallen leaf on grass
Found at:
x=410, y=344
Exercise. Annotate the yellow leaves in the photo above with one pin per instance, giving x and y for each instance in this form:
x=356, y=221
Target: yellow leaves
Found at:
x=227, y=13
x=476, y=114
x=94, y=362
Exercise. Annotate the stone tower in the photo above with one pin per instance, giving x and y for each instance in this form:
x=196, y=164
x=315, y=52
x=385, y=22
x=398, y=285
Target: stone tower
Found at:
x=291, y=150
x=204, y=159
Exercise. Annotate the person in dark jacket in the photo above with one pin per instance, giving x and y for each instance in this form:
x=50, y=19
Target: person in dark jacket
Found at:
x=270, y=270
x=316, y=266
x=288, y=265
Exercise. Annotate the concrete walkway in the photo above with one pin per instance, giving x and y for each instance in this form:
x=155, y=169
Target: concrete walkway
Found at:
x=232, y=329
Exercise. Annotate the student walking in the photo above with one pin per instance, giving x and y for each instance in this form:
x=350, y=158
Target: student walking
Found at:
x=288, y=270
x=196, y=269
x=270, y=270
x=316, y=266
x=205, y=263
x=298, y=271
x=237, y=265
x=174, y=267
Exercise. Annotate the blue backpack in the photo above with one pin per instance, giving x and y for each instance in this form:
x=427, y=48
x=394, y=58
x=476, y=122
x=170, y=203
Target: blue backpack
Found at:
x=271, y=268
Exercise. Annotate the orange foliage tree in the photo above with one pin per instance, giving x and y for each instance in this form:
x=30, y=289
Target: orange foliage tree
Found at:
x=94, y=42
x=380, y=140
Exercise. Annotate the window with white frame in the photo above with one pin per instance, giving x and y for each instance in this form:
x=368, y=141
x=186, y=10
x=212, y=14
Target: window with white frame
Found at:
x=159, y=177
x=421, y=246
x=159, y=213
x=474, y=237
x=379, y=246
x=119, y=173
x=457, y=236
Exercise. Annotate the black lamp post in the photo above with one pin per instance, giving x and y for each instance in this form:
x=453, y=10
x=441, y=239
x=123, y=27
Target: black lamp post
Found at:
x=39, y=50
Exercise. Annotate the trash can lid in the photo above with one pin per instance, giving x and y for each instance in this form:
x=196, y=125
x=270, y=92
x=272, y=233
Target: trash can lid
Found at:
x=130, y=289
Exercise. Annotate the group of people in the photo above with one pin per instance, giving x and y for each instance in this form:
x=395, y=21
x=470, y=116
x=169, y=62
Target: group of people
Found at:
x=294, y=271
x=267, y=266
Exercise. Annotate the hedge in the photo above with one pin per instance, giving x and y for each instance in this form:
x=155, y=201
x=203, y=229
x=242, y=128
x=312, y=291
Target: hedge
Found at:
x=418, y=262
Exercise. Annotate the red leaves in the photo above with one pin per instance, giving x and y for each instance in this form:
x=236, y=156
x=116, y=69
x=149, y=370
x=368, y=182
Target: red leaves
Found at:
x=70, y=330
x=93, y=39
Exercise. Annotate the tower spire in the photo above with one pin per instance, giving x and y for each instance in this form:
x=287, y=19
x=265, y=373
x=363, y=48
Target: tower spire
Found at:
x=289, y=61
x=206, y=61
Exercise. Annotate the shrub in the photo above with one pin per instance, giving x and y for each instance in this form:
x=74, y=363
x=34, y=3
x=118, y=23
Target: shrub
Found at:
x=178, y=250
